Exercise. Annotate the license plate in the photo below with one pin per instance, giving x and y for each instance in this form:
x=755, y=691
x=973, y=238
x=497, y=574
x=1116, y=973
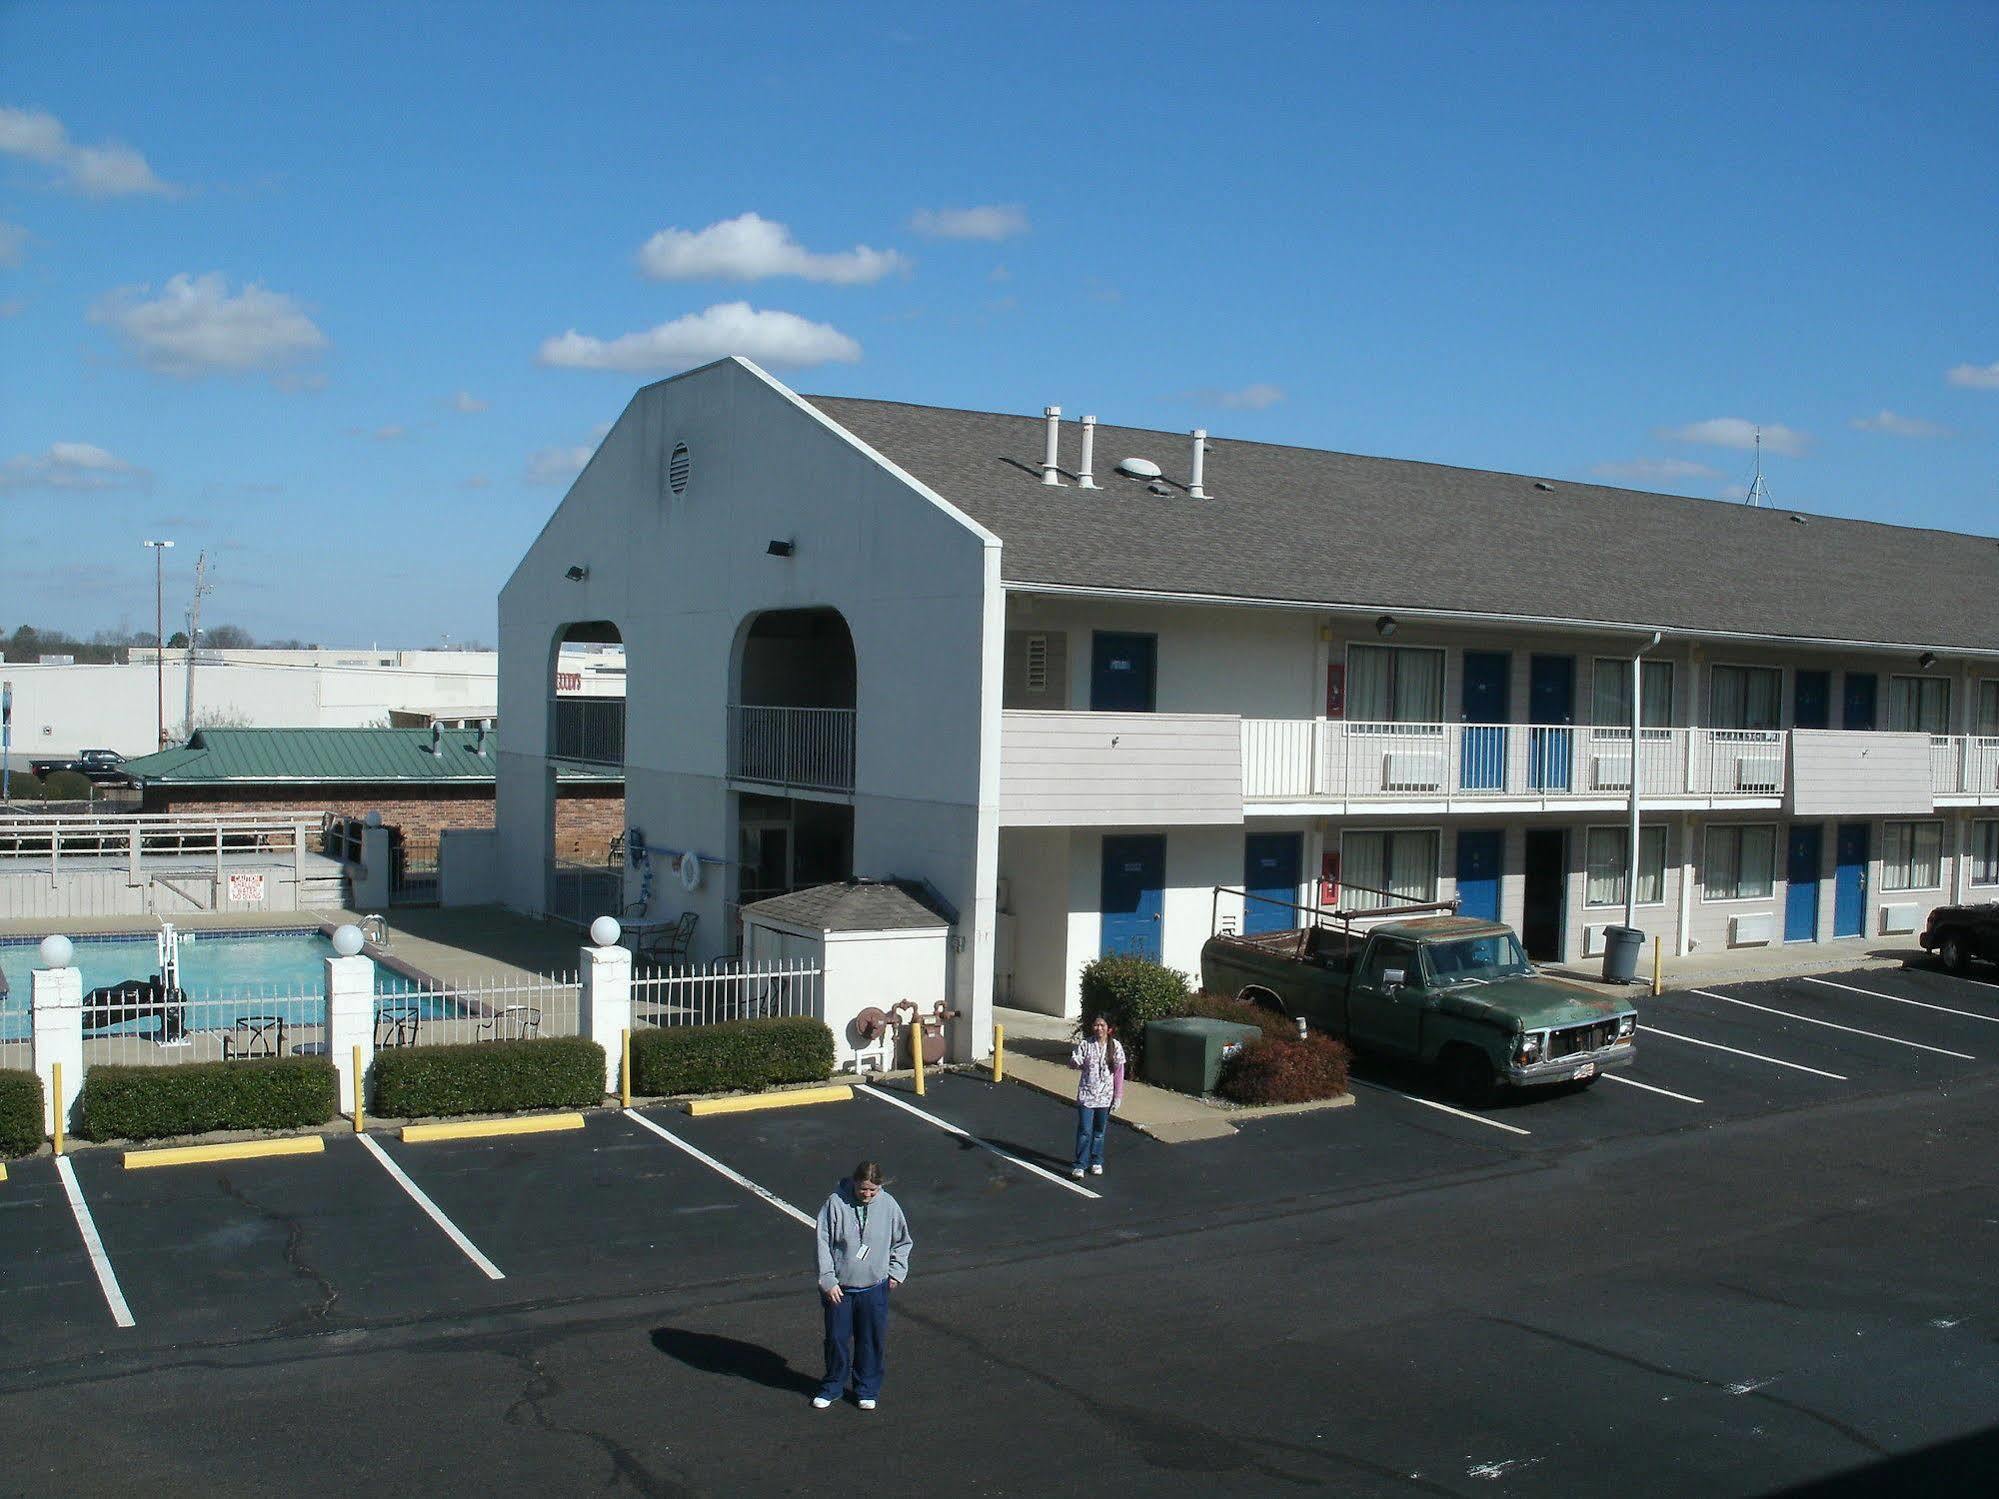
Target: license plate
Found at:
x=1588, y=1069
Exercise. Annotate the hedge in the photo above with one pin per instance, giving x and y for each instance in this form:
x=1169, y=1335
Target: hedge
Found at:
x=489, y=1077
x=150, y=1103
x=20, y=1113
x=1221, y=1007
x=1275, y=1071
x=1130, y=992
x=735, y=1055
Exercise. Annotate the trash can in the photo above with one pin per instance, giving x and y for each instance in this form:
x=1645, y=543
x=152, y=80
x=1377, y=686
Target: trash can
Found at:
x=1621, y=946
x=1186, y=1053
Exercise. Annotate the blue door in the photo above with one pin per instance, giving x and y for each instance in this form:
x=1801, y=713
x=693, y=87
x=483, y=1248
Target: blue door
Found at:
x=1134, y=875
x=1482, y=757
x=1858, y=707
x=1272, y=865
x=1812, y=708
x=1551, y=705
x=1479, y=853
x=1122, y=668
x=1849, y=887
x=1801, y=883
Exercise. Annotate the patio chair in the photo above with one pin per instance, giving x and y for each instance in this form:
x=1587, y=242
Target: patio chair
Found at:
x=514, y=1023
x=671, y=943
x=254, y=1036
x=396, y=1025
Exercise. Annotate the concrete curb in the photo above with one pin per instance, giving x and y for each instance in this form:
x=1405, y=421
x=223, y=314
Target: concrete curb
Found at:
x=479, y=1129
x=750, y=1102
x=238, y=1150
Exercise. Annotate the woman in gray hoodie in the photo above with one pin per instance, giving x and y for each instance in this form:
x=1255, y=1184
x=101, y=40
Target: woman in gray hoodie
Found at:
x=864, y=1249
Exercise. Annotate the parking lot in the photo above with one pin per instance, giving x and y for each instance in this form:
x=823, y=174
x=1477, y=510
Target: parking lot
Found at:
x=108, y=1267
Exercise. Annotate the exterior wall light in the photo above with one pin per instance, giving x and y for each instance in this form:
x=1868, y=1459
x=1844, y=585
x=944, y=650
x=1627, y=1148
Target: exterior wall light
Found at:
x=781, y=548
x=1385, y=626
x=1926, y=660
x=577, y=574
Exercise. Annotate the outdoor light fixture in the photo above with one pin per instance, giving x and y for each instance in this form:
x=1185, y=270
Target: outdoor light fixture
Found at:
x=577, y=574
x=1927, y=660
x=1385, y=626
x=781, y=548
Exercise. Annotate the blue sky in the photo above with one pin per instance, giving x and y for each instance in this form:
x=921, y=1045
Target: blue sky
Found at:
x=344, y=294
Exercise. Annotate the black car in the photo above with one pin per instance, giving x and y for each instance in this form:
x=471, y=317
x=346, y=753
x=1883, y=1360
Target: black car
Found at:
x=1957, y=934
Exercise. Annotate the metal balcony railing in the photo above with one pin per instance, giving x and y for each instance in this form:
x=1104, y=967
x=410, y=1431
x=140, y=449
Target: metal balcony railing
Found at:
x=1964, y=764
x=591, y=729
x=808, y=748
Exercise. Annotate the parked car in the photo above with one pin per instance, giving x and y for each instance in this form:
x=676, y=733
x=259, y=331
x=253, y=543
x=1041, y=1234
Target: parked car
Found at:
x=1957, y=934
x=1422, y=983
x=100, y=765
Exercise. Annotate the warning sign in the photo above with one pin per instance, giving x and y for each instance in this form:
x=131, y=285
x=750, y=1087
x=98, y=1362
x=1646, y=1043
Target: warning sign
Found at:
x=246, y=888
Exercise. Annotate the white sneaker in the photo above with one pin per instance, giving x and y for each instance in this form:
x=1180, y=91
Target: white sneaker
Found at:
x=1077, y=1172
x=867, y=1405
x=820, y=1402
x=1096, y=1171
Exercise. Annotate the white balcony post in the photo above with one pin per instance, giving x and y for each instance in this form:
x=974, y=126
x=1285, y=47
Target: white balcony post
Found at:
x=56, y=995
x=604, y=1003
x=350, y=1020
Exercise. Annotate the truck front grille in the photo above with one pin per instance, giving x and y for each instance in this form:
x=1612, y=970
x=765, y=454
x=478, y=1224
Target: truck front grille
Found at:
x=1580, y=1038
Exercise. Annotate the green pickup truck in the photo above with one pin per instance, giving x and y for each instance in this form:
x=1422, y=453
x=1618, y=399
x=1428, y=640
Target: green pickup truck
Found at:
x=1442, y=989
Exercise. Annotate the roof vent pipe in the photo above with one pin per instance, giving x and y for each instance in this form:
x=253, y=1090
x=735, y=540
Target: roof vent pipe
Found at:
x=480, y=747
x=1194, y=490
x=1083, y=479
x=1050, y=473
x=437, y=739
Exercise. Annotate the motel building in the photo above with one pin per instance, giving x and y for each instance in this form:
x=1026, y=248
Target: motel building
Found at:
x=1073, y=677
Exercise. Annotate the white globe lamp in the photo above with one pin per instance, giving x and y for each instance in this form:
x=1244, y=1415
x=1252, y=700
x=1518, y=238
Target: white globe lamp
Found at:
x=347, y=940
x=604, y=931
x=57, y=951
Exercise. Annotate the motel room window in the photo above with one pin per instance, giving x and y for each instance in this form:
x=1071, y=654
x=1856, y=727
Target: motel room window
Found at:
x=1919, y=705
x=1987, y=726
x=1746, y=697
x=1985, y=853
x=1610, y=702
x=1394, y=684
x=1912, y=856
x=1606, y=856
x=1402, y=863
x=1741, y=863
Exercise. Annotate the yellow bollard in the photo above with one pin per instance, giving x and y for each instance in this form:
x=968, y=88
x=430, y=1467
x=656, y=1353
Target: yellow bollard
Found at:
x=999, y=1053
x=916, y=1052
x=1656, y=961
x=359, y=1122
x=55, y=1109
x=625, y=1069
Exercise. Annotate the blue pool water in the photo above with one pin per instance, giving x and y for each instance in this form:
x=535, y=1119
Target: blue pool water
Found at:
x=222, y=973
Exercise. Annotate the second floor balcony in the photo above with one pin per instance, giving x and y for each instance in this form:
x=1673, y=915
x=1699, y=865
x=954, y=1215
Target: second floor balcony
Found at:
x=799, y=749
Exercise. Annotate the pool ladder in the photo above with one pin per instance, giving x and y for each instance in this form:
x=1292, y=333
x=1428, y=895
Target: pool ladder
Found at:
x=375, y=929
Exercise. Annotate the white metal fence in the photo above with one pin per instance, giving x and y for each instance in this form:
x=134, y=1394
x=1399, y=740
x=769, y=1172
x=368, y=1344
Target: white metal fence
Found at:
x=729, y=990
x=50, y=841
x=513, y=1007
x=806, y=747
x=138, y=1026
x=1964, y=764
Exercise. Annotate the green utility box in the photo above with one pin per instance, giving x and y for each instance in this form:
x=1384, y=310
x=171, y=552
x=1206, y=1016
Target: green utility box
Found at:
x=1186, y=1054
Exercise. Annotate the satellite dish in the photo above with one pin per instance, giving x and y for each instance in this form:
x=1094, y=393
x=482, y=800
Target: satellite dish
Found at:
x=690, y=872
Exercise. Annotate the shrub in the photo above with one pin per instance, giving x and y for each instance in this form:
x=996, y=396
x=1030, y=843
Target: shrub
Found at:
x=66, y=786
x=488, y=1077
x=1294, y=1071
x=150, y=1103
x=1221, y=1007
x=20, y=1113
x=737, y=1054
x=1129, y=992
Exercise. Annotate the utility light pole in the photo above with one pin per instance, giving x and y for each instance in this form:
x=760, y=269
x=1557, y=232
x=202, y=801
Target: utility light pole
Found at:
x=159, y=636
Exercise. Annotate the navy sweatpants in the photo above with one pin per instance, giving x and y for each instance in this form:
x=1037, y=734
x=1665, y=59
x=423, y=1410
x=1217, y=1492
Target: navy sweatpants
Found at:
x=860, y=1319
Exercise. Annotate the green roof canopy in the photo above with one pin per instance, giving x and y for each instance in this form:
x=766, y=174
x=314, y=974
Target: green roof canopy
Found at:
x=331, y=756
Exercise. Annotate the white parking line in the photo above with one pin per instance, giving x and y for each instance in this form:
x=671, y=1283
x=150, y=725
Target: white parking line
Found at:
x=1851, y=1030
x=1443, y=1108
x=1897, y=999
x=423, y=1201
x=1653, y=1030
x=1077, y=1187
x=107, y=1278
x=1614, y=1077
x=735, y=1176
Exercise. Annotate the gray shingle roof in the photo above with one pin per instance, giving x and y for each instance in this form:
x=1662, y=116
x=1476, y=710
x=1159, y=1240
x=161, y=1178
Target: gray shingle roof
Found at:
x=853, y=906
x=1297, y=524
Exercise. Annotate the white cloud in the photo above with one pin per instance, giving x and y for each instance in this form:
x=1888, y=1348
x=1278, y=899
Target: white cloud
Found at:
x=751, y=248
x=1976, y=376
x=195, y=327
x=1898, y=426
x=1250, y=398
x=1654, y=470
x=1735, y=432
x=991, y=221
x=69, y=465
x=109, y=171
x=13, y=244
x=557, y=465
x=468, y=403
x=782, y=340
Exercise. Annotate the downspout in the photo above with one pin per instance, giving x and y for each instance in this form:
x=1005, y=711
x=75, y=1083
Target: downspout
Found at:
x=1637, y=724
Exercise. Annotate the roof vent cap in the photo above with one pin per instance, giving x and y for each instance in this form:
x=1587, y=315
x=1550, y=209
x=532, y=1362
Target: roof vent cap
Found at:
x=1138, y=468
x=1544, y=485
x=1158, y=487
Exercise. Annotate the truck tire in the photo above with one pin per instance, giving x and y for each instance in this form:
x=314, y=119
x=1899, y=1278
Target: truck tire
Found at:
x=1952, y=952
x=1263, y=999
x=1467, y=1074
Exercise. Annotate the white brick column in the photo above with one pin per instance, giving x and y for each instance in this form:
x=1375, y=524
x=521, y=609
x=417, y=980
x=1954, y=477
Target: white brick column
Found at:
x=350, y=1020
x=57, y=998
x=604, y=1010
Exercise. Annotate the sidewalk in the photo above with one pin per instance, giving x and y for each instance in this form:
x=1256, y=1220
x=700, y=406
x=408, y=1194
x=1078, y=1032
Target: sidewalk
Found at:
x=1748, y=965
x=1037, y=1056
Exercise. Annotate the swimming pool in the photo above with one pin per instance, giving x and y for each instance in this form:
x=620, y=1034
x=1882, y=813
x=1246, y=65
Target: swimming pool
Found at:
x=265, y=972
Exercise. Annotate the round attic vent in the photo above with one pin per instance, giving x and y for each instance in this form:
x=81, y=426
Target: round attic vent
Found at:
x=1138, y=468
x=677, y=468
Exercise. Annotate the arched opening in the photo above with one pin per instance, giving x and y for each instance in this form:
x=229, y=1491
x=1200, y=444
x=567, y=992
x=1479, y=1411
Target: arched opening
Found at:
x=586, y=760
